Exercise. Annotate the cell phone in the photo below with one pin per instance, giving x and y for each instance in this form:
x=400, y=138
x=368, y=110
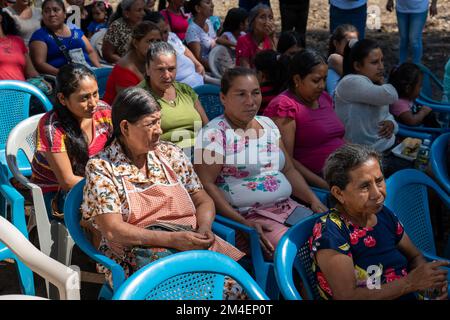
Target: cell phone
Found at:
x=298, y=214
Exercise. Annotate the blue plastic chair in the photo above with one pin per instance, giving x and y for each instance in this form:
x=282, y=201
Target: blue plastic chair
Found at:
x=438, y=159
x=189, y=275
x=14, y=107
x=293, y=252
x=72, y=219
x=262, y=269
x=209, y=96
x=16, y=200
x=102, y=75
x=430, y=82
x=407, y=197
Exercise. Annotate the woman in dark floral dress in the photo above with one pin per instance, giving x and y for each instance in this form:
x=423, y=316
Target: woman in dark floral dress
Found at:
x=360, y=248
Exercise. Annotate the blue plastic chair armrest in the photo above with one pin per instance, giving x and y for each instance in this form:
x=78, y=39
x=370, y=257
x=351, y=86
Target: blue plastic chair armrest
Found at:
x=255, y=246
x=436, y=105
x=224, y=232
x=17, y=203
x=403, y=132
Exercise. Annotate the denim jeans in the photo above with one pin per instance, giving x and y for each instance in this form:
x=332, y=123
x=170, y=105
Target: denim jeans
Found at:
x=410, y=27
x=356, y=17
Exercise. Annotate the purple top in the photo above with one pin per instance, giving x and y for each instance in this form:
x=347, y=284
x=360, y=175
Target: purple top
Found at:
x=318, y=131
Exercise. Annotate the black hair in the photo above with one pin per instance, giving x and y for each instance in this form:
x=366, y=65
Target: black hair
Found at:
x=231, y=74
x=60, y=3
x=131, y=104
x=189, y=6
x=162, y=5
x=302, y=64
x=108, y=9
x=154, y=16
x=289, y=39
x=141, y=30
x=67, y=82
x=357, y=53
x=8, y=25
x=274, y=66
x=339, y=34
x=404, y=78
x=233, y=19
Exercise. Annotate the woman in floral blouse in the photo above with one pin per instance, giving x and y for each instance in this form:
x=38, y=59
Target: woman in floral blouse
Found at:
x=139, y=187
x=244, y=167
x=360, y=249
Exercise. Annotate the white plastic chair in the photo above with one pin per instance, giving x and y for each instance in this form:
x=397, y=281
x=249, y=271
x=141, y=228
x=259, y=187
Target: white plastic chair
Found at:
x=220, y=59
x=23, y=137
x=65, y=279
x=97, y=41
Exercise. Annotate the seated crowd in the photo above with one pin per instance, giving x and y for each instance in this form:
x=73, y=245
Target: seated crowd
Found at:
x=158, y=170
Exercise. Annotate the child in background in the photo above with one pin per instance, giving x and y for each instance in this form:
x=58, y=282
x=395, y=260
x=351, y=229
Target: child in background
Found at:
x=234, y=26
x=407, y=80
x=100, y=14
x=272, y=74
x=339, y=39
x=290, y=42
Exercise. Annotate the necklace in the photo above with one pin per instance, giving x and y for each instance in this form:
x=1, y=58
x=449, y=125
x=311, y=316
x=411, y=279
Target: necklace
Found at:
x=6, y=45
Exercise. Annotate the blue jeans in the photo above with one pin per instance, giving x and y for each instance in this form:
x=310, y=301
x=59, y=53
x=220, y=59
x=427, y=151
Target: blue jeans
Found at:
x=410, y=27
x=356, y=17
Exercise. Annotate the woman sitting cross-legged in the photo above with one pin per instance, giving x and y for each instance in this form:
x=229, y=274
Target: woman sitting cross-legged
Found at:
x=76, y=129
x=139, y=188
x=360, y=248
x=244, y=166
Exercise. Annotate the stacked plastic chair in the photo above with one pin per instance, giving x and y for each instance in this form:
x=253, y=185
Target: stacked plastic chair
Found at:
x=65, y=279
x=15, y=99
x=189, y=275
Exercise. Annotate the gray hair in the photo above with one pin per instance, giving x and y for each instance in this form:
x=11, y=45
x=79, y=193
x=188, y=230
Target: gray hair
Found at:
x=159, y=48
x=254, y=13
x=345, y=159
x=126, y=4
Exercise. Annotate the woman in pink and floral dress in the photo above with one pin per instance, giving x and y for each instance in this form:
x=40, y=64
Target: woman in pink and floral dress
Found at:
x=241, y=162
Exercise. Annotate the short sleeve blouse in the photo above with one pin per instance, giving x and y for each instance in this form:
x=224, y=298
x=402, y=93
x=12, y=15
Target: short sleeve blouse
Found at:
x=207, y=40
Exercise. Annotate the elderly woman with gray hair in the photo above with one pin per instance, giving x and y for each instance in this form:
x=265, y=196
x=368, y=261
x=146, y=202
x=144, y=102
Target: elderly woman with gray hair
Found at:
x=360, y=244
x=181, y=110
x=261, y=36
x=118, y=37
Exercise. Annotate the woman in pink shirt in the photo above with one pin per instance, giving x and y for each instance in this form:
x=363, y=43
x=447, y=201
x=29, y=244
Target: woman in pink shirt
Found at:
x=261, y=36
x=176, y=18
x=304, y=113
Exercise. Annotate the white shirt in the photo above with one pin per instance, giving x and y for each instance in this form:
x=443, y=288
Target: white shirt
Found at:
x=207, y=39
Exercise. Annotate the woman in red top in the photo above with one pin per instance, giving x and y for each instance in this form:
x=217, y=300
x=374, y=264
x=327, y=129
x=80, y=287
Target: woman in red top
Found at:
x=15, y=63
x=176, y=18
x=67, y=136
x=130, y=69
x=261, y=36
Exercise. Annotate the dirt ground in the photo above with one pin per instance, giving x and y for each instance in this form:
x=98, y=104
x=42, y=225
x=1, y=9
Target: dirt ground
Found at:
x=436, y=38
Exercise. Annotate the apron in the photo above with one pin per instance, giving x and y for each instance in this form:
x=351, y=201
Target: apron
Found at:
x=168, y=203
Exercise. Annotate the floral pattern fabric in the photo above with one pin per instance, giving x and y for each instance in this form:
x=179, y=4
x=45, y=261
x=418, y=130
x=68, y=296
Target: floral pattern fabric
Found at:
x=373, y=250
x=104, y=190
x=251, y=174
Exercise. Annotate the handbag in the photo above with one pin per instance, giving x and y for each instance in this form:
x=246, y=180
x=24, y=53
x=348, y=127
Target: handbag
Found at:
x=146, y=255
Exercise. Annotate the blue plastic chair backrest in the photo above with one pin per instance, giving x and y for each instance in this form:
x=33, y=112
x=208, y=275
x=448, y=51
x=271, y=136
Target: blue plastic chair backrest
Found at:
x=209, y=96
x=293, y=252
x=429, y=82
x=407, y=197
x=15, y=105
x=102, y=75
x=72, y=217
x=438, y=159
x=188, y=275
